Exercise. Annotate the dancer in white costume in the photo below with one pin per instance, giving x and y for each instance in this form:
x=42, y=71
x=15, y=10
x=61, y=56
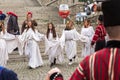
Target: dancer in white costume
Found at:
x=6, y=44
x=87, y=31
x=29, y=45
x=53, y=47
x=70, y=35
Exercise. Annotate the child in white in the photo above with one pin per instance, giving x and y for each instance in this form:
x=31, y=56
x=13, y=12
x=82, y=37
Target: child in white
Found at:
x=87, y=31
x=6, y=44
x=29, y=46
x=53, y=47
x=69, y=37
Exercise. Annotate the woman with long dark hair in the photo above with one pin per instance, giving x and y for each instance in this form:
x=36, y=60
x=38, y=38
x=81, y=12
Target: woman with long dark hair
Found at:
x=53, y=47
x=51, y=31
x=28, y=40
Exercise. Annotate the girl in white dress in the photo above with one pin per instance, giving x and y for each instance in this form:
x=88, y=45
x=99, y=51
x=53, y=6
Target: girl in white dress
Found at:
x=3, y=49
x=87, y=31
x=29, y=45
x=53, y=47
x=70, y=35
x=6, y=44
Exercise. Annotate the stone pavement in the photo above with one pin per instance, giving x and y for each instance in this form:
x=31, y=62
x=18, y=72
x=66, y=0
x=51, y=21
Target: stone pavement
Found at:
x=21, y=68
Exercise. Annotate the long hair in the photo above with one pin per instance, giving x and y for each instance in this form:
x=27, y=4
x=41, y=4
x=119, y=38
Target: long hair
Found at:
x=53, y=30
x=2, y=28
x=68, y=26
x=32, y=26
x=88, y=23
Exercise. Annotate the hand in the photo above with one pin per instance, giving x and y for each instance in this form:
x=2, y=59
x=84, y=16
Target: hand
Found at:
x=51, y=72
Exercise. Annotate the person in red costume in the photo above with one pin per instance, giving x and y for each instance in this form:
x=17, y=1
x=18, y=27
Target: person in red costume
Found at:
x=28, y=18
x=99, y=36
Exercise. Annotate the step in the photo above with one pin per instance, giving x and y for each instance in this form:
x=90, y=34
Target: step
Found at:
x=15, y=57
x=18, y=3
x=39, y=13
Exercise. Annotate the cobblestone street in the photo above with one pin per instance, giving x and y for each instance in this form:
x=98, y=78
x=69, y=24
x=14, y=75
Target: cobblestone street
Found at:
x=21, y=68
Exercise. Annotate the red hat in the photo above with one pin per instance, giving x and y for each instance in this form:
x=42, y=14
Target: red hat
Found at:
x=29, y=13
x=1, y=12
x=11, y=13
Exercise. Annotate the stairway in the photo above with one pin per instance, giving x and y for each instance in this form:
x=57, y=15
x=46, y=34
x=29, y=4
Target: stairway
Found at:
x=18, y=3
x=42, y=14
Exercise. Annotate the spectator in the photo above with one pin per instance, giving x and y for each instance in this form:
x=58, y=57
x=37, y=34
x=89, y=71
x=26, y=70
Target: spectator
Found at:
x=87, y=10
x=6, y=74
x=2, y=16
x=54, y=74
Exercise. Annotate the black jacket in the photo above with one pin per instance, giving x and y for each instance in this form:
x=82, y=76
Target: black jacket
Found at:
x=12, y=25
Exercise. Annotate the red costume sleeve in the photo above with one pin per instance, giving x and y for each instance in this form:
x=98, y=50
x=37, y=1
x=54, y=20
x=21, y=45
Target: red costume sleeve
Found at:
x=82, y=71
x=96, y=35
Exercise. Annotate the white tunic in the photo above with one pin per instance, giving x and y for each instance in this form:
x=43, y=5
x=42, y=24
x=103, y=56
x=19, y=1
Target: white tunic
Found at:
x=69, y=38
x=30, y=47
x=53, y=48
x=7, y=44
x=87, y=49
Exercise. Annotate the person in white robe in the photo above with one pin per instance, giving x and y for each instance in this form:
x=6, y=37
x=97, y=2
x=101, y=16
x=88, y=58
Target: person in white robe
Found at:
x=7, y=44
x=87, y=31
x=53, y=47
x=29, y=46
x=69, y=38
